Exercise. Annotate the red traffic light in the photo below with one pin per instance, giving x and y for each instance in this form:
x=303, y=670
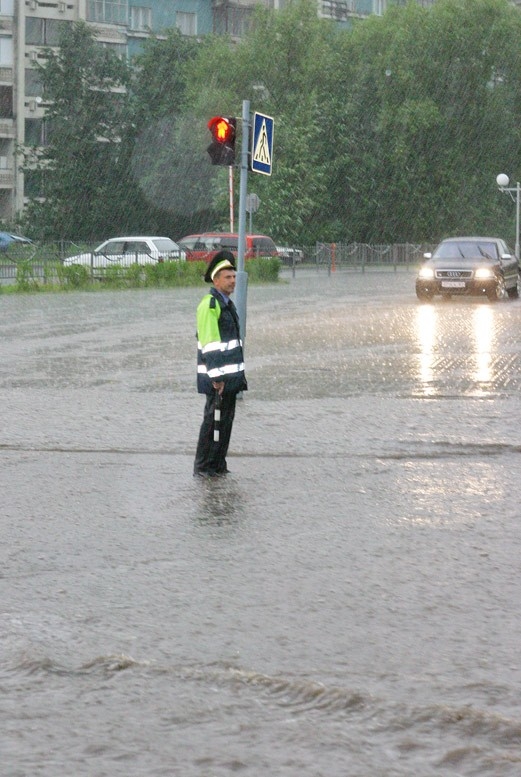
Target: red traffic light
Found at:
x=222, y=147
x=222, y=129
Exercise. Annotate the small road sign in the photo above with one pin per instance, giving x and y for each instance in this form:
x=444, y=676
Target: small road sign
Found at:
x=262, y=144
x=252, y=203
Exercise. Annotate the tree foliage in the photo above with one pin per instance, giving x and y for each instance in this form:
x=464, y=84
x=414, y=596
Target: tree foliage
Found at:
x=169, y=161
x=278, y=67
x=82, y=167
x=430, y=120
x=391, y=131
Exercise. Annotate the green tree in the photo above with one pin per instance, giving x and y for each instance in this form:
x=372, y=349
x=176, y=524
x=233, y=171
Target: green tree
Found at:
x=169, y=162
x=159, y=83
x=84, y=168
x=431, y=116
x=277, y=66
x=392, y=131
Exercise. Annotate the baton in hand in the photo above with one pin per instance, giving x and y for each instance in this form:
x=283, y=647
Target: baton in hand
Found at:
x=217, y=417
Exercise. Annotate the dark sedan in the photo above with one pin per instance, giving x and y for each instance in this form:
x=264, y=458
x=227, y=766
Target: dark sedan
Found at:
x=472, y=266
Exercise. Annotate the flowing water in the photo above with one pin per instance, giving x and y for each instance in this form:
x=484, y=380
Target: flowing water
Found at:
x=345, y=604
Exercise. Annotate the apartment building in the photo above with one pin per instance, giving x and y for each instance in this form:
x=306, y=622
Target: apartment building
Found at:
x=27, y=26
x=231, y=17
x=8, y=134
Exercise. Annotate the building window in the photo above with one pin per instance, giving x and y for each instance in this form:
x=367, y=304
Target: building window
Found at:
x=6, y=7
x=379, y=7
x=107, y=11
x=140, y=19
x=43, y=32
x=34, y=132
x=186, y=23
x=6, y=102
x=232, y=21
x=5, y=157
x=6, y=51
x=33, y=85
x=38, y=132
x=119, y=49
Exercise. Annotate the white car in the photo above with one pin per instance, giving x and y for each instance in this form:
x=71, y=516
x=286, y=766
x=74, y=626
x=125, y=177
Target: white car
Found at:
x=290, y=255
x=125, y=251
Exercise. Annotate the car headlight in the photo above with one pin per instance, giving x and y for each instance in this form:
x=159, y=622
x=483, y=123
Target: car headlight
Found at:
x=426, y=274
x=484, y=274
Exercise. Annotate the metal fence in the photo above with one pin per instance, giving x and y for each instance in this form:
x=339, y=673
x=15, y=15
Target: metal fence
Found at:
x=33, y=261
x=357, y=256
x=38, y=261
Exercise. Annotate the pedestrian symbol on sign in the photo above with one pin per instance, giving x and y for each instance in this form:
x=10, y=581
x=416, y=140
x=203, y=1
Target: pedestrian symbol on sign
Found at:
x=262, y=144
x=261, y=153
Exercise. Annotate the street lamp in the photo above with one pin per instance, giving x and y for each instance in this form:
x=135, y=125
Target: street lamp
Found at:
x=502, y=181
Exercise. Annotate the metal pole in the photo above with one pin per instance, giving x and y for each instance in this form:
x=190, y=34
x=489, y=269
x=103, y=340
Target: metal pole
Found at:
x=503, y=181
x=241, y=287
x=230, y=194
x=517, y=218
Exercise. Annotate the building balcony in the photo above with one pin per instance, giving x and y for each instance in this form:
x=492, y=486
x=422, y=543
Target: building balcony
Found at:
x=7, y=129
x=6, y=179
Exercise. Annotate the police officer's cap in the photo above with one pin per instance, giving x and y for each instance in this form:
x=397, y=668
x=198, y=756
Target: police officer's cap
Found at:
x=224, y=260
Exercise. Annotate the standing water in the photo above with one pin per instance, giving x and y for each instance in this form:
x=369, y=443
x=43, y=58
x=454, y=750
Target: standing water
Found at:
x=345, y=604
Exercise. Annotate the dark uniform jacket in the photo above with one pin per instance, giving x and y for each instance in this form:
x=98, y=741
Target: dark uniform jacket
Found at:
x=219, y=345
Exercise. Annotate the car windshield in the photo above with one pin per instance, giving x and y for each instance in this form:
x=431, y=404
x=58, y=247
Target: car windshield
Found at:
x=188, y=243
x=112, y=247
x=231, y=243
x=165, y=244
x=470, y=249
x=207, y=243
x=263, y=245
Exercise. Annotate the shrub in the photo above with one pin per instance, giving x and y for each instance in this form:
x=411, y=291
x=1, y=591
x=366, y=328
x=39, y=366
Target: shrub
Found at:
x=265, y=270
x=25, y=280
x=75, y=276
x=163, y=274
x=116, y=277
x=173, y=273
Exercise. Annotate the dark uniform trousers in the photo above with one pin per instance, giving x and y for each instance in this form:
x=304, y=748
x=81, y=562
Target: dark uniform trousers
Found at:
x=210, y=456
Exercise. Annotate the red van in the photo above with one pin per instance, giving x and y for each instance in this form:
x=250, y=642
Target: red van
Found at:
x=203, y=247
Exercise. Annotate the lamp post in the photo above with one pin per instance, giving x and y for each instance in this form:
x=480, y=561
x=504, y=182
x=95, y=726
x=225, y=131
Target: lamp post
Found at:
x=502, y=181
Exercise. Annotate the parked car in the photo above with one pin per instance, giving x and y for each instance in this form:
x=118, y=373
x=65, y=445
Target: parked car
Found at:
x=7, y=240
x=290, y=255
x=203, y=247
x=474, y=266
x=125, y=251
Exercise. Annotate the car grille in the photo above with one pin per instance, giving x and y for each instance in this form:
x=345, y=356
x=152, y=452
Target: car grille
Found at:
x=454, y=274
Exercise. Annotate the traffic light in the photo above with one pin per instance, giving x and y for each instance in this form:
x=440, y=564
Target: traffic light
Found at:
x=222, y=147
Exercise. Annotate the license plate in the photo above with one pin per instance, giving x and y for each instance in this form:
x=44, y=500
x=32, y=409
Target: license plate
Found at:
x=453, y=284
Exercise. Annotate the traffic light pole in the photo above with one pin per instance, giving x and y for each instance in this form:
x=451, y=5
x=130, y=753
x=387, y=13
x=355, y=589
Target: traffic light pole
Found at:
x=241, y=288
x=230, y=196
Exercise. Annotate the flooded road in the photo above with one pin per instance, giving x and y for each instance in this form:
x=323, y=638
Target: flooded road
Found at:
x=347, y=603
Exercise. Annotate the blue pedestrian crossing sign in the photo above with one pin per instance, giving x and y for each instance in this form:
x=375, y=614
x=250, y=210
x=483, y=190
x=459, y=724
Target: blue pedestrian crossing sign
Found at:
x=262, y=144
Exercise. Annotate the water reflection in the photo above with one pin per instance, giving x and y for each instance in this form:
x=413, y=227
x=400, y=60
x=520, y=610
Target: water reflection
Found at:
x=475, y=335
x=470, y=488
x=426, y=322
x=220, y=501
x=483, y=332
